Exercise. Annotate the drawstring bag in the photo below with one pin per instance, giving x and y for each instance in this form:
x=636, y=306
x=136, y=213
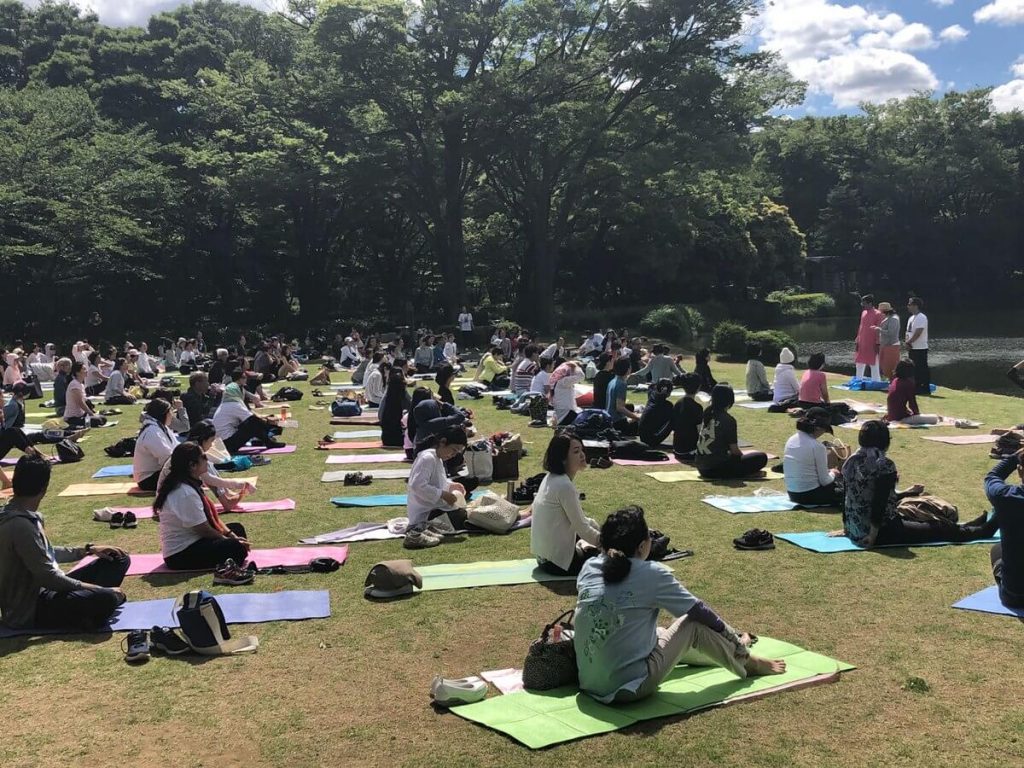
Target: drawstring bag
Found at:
x=204, y=629
x=492, y=513
x=551, y=660
x=69, y=451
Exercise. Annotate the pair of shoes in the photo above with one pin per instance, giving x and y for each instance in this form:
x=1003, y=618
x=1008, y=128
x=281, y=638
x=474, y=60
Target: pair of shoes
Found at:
x=450, y=693
x=111, y=412
x=123, y=520
x=755, y=539
x=168, y=641
x=358, y=478
x=538, y=423
x=421, y=539
x=231, y=575
x=601, y=463
x=317, y=393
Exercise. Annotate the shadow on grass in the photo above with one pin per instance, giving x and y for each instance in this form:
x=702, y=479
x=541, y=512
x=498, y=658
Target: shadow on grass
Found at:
x=12, y=645
x=171, y=579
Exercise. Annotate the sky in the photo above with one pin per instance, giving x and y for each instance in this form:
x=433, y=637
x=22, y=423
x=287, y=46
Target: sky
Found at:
x=847, y=52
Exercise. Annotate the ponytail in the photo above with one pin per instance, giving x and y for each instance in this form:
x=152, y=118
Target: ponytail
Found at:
x=622, y=535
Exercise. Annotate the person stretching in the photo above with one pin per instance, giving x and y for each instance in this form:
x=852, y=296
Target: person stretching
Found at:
x=901, y=402
x=622, y=655
x=236, y=424
x=34, y=591
x=1008, y=555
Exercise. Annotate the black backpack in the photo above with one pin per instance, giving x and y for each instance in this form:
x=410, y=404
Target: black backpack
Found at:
x=69, y=451
x=122, y=448
x=286, y=393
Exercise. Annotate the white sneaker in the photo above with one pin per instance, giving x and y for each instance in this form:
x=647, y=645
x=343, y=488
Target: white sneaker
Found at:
x=423, y=539
x=103, y=515
x=441, y=525
x=451, y=693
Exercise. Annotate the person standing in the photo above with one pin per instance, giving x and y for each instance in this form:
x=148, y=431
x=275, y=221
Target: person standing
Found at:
x=917, y=345
x=465, y=327
x=888, y=340
x=867, y=338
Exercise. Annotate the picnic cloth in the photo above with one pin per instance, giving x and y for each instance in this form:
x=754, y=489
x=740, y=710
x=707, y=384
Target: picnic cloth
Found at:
x=963, y=439
x=987, y=601
x=692, y=475
x=264, y=558
x=238, y=607
x=822, y=543
x=355, y=434
x=352, y=446
x=540, y=719
x=384, y=500
x=376, y=474
x=280, y=505
x=485, y=574
x=366, y=458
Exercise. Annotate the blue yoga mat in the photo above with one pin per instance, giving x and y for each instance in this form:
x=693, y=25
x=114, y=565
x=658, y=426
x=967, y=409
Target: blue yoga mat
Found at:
x=117, y=470
x=820, y=542
x=987, y=601
x=736, y=505
x=386, y=500
x=238, y=607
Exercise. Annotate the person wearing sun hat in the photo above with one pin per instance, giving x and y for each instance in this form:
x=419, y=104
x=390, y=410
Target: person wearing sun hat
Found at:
x=888, y=340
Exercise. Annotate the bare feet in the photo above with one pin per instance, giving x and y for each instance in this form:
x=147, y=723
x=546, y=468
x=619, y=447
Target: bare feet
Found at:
x=756, y=666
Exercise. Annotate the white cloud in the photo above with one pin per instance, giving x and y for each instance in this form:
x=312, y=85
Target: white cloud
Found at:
x=1009, y=96
x=953, y=34
x=849, y=52
x=1003, y=12
x=1018, y=67
x=942, y=3
x=122, y=13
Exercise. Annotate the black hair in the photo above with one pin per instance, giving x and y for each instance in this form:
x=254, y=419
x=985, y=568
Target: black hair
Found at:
x=157, y=409
x=377, y=357
x=182, y=459
x=874, y=434
x=816, y=361
x=905, y=369
x=603, y=359
x=31, y=476
x=722, y=399
x=93, y=356
x=557, y=452
x=202, y=431
x=545, y=363
x=804, y=424
x=443, y=377
x=118, y=364
x=621, y=367
x=867, y=298
x=495, y=350
x=76, y=366
x=916, y=301
x=419, y=395
x=662, y=389
x=753, y=351
x=621, y=536
x=453, y=436
x=703, y=356
x=394, y=393
x=690, y=383
x=531, y=350
x=236, y=374
x=163, y=394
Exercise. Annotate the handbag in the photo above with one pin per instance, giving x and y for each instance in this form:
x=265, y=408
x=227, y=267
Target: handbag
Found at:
x=69, y=451
x=505, y=466
x=551, y=660
x=838, y=453
x=492, y=513
x=480, y=464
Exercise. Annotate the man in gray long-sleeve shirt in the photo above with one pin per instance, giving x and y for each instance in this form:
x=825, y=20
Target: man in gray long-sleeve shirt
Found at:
x=34, y=591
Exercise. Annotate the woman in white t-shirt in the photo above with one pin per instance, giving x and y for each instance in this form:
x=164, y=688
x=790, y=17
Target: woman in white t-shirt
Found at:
x=809, y=481
x=229, y=493
x=562, y=537
x=154, y=445
x=115, y=393
x=431, y=503
x=95, y=381
x=563, y=391
x=192, y=536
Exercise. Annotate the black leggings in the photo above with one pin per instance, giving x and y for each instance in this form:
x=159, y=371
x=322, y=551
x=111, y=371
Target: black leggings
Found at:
x=582, y=554
x=735, y=467
x=149, y=483
x=830, y=495
x=252, y=428
x=12, y=438
x=207, y=554
x=85, y=421
x=119, y=400
x=84, y=608
x=899, y=531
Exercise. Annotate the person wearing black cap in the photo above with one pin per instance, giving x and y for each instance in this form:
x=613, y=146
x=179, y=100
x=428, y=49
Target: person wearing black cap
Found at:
x=718, y=451
x=809, y=481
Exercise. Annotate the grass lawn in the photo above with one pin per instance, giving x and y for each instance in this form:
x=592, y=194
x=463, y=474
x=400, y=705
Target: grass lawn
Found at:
x=351, y=690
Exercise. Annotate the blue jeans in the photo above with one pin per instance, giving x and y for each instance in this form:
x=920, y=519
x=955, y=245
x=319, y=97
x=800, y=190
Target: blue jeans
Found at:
x=84, y=608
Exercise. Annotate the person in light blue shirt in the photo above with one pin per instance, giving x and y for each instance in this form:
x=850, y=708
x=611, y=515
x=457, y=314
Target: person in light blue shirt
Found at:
x=621, y=653
x=623, y=419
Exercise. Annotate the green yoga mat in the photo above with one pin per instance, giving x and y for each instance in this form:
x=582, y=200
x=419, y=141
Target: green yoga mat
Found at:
x=484, y=574
x=551, y=717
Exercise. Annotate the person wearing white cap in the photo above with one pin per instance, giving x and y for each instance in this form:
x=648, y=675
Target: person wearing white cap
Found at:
x=888, y=340
x=785, y=387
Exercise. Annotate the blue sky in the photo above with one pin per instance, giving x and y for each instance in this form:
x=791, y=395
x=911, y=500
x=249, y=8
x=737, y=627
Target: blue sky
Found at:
x=847, y=51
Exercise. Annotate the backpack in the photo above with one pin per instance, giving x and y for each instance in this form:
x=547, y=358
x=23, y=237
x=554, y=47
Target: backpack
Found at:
x=635, y=450
x=122, y=448
x=204, y=628
x=69, y=451
x=237, y=464
x=286, y=393
x=591, y=422
x=346, y=408
x=927, y=509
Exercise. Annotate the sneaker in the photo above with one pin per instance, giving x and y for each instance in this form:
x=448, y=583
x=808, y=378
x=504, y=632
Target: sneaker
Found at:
x=102, y=515
x=168, y=641
x=137, y=647
x=755, y=539
x=357, y=478
x=271, y=444
x=231, y=575
x=117, y=519
x=441, y=525
x=130, y=521
x=451, y=693
x=421, y=539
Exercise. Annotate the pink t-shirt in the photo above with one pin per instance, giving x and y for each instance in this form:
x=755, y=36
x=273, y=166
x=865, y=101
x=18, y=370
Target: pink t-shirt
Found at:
x=811, y=385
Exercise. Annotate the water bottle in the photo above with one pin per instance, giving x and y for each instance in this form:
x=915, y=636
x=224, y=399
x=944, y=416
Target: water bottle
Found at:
x=510, y=489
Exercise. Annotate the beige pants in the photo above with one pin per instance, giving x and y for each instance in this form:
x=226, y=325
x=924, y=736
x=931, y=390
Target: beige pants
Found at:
x=685, y=642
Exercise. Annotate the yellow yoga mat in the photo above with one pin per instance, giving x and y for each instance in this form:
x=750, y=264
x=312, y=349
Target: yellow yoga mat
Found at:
x=692, y=475
x=119, y=489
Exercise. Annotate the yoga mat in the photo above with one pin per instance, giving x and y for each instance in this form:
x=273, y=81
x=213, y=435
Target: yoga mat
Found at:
x=345, y=387
x=101, y=489
x=692, y=475
x=356, y=434
x=485, y=574
x=540, y=719
x=367, y=419
x=736, y=505
x=366, y=458
x=143, y=564
x=858, y=407
x=238, y=607
x=281, y=505
x=251, y=449
x=759, y=405
x=964, y=439
x=820, y=542
x=380, y=532
x=670, y=461
x=352, y=445
x=117, y=470
x=393, y=500
x=987, y=601
x=376, y=474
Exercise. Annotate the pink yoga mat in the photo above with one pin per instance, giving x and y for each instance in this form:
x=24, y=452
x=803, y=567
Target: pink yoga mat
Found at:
x=281, y=505
x=351, y=445
x=264, y=558
x=671, y=461
x=249, y=449
x=369, y=458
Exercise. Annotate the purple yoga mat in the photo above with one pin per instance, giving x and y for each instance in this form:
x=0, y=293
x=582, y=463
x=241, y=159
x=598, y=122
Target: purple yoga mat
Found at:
x=250, y=449
x=264, y=558
x=370, y=458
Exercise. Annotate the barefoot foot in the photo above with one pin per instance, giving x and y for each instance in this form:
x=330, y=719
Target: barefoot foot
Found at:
x=756, y=666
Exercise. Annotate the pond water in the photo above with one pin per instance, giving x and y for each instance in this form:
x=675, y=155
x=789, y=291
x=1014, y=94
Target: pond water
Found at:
x=966, y=351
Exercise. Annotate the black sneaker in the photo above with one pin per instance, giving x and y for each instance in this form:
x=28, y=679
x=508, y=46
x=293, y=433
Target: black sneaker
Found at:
x=117, y=520
x=168, y=641
x=755, y=539
x=137, y=651
x=130, y=521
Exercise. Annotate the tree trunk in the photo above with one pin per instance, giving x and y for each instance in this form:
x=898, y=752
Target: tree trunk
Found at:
x=536, y=300
x=451, y=247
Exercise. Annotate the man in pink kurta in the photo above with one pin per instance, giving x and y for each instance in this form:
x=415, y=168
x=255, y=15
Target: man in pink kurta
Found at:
x=867, y=338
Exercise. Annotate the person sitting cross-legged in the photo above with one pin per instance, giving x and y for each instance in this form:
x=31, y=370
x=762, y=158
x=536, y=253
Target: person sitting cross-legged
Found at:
x=1008, y=503
x=809, y=480
x=34, y=591
x=622, y=655
x=153, y=446
x=236, y=424
x=718, y=453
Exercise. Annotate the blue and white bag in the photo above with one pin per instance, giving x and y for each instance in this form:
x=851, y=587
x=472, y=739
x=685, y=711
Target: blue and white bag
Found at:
x=204, y=629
